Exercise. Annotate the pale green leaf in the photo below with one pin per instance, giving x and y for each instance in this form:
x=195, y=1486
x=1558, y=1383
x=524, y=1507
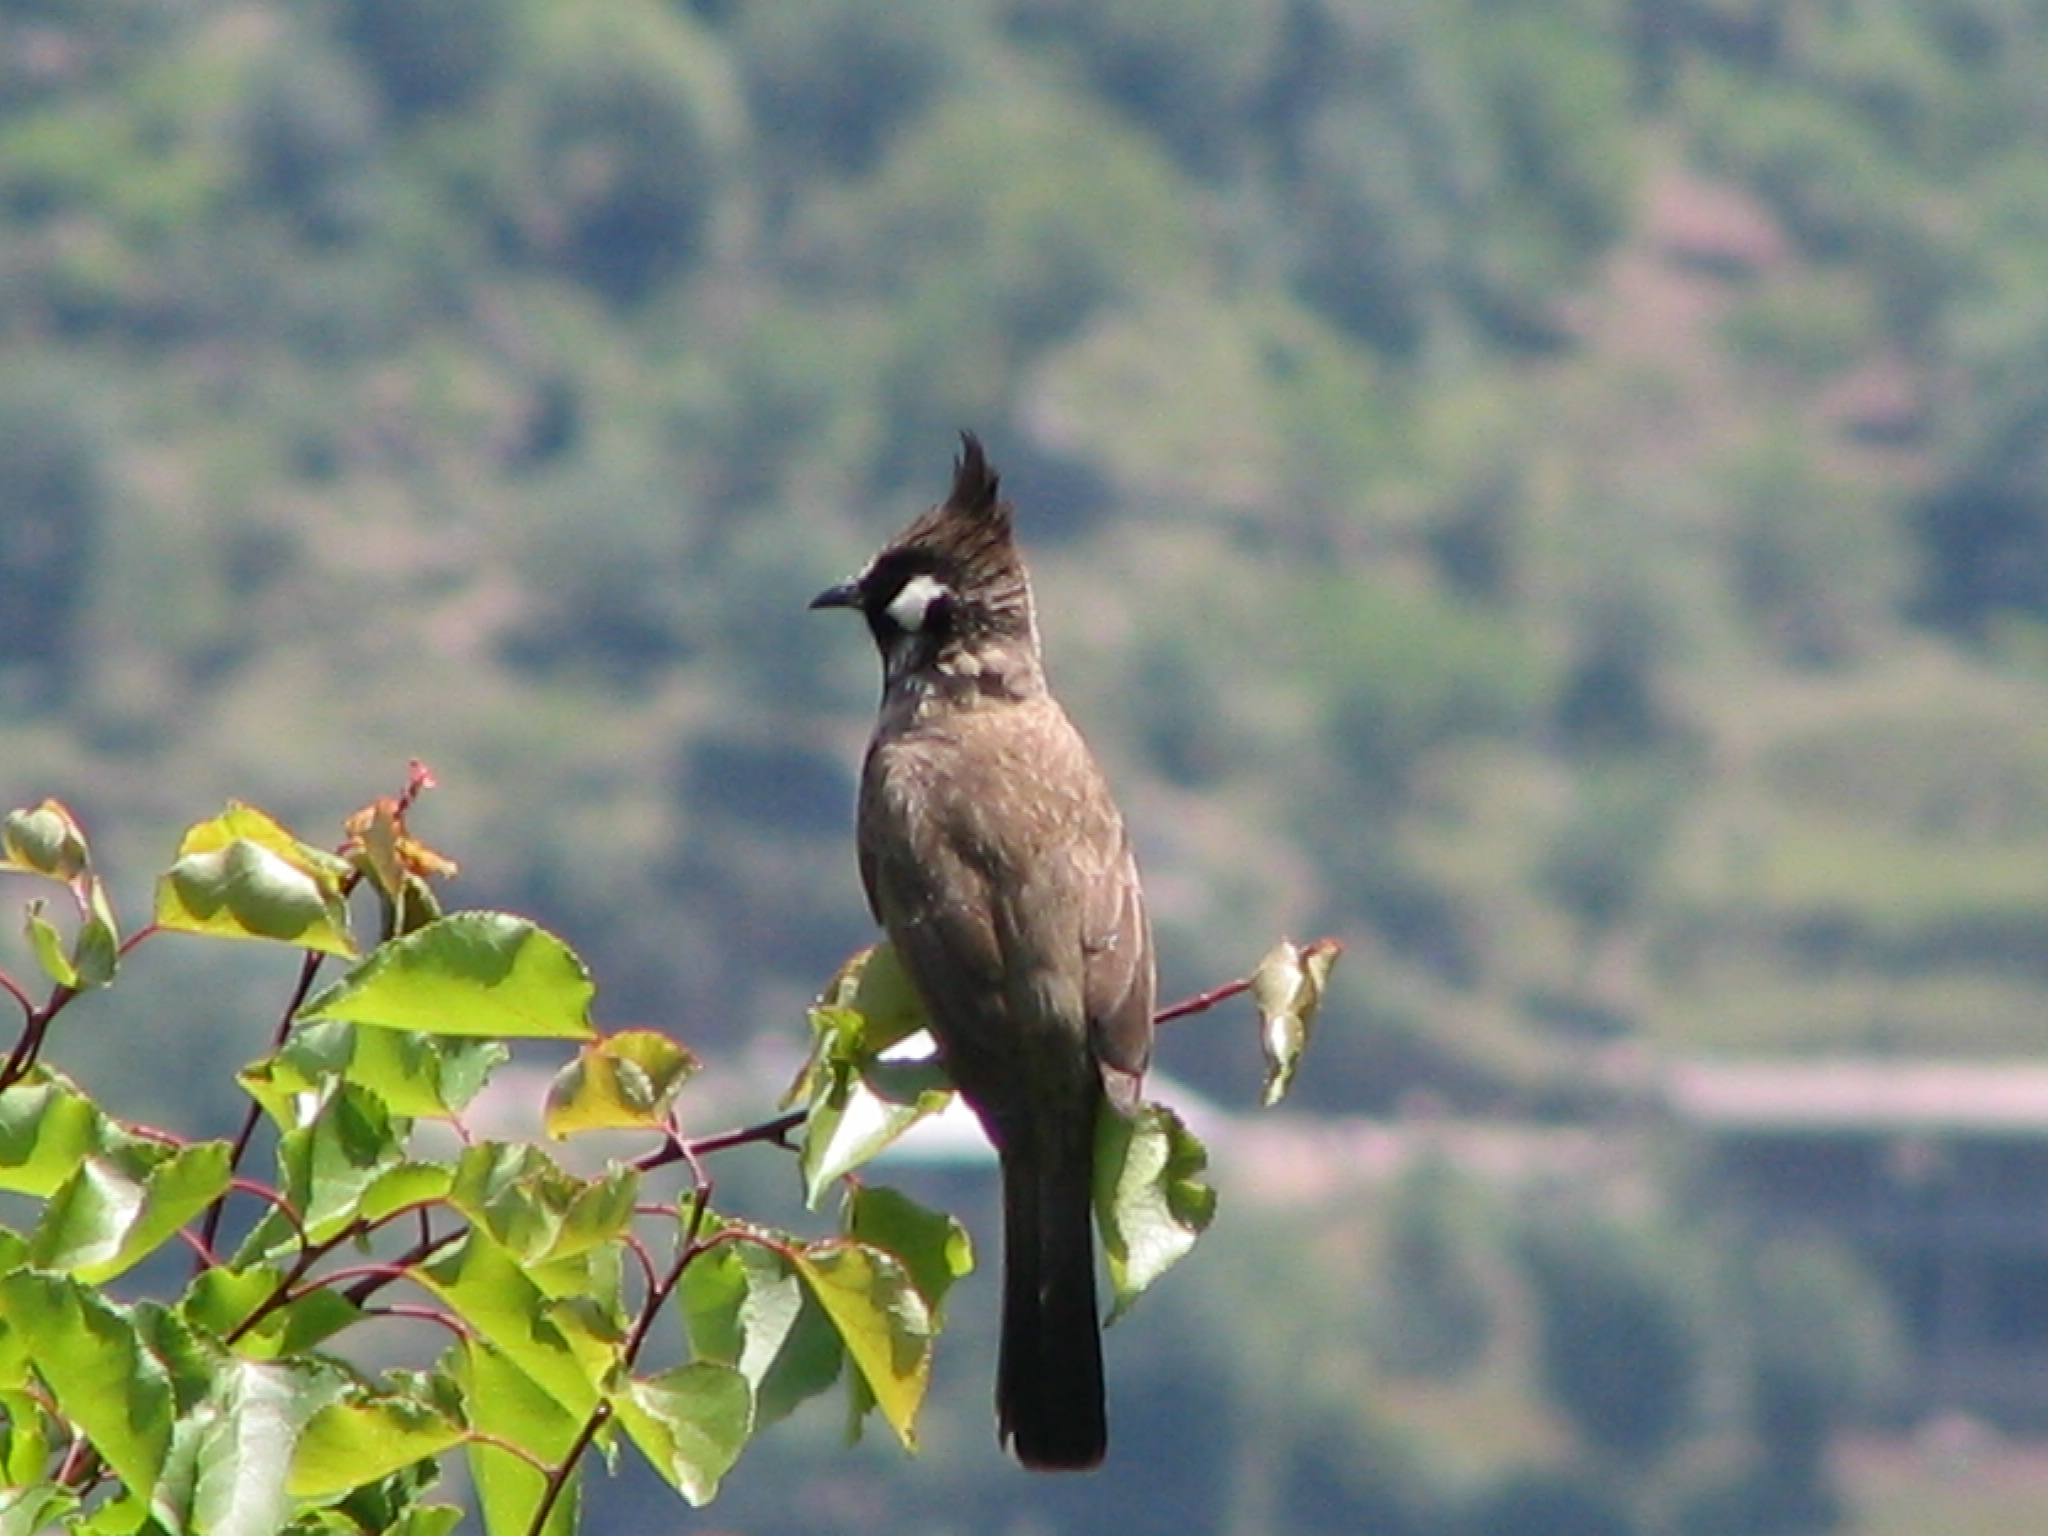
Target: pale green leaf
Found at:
x=744, y=1305
x=47, y=1128
x=96, y=952
x=242, y=875
x=861, y=1113
x=1150, y=1202
x=111, y=1215
x=43, y=840
x=691, y=1423
x=103, y=1374
x=348, y=1444
x=505, y=1404
x=24, y=1438
x=1287, y=988
x=48, y=945
x=625, y=1081
x=883, y=1322
x=486, y=974
x=248, y=1429
x=35, y=1509
x=564, y=1348
x=931, y=1245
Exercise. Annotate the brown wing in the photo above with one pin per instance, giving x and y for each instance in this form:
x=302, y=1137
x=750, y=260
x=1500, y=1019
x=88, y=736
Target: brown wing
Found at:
x=993, y=855
x=1118, y=983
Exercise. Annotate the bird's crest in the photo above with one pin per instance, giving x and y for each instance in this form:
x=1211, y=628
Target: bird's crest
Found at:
x=968, y=536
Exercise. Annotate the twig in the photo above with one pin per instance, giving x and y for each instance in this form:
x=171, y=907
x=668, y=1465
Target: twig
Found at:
x=678, y=1149
x=1202, y=1002
x=309, y=968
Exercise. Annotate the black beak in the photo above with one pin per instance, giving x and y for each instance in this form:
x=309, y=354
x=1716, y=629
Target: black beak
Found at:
x=845, y=595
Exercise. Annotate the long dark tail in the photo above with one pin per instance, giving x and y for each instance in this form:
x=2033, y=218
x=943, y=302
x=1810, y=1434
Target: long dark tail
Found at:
x=1049, y=1406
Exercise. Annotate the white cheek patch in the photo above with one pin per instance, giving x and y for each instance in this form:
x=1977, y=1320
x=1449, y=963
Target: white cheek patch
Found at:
x=910, y=607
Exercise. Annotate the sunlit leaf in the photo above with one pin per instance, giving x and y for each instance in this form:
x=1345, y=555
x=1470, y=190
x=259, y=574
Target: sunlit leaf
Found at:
x=488, y=974
x=745, y=1305
x=625, y=1081
x=862, y=1112
x=506, y=1405
x=931, y=1245
x=221, y=1300
x=34, y=1510
x=110, y=1216
x=875, y=986
x=48, y=945
x=96, y=952
x=43, y=840
x=867, y=1007
x=246, y=1435
x=348, y=1444
x=47, y=1128
x=331, y=1164
x=24, y=1439
x=1150, y=1202
x=883, y=1322
x=425, y=1076
x=242, y=875
x=691, y=1423
x=1287, y=989
x=102, y=1373
x=534, y=1208
x=561, y=1347
x=402, y=1186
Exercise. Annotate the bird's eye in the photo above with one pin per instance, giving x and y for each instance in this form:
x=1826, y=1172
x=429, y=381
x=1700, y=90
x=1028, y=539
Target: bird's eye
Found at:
x=911, y=607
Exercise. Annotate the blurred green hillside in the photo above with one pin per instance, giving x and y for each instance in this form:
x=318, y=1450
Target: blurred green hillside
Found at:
x=1554, y=492
x=1551, y=492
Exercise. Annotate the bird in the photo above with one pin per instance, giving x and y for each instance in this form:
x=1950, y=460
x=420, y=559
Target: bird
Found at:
x=1001, y=871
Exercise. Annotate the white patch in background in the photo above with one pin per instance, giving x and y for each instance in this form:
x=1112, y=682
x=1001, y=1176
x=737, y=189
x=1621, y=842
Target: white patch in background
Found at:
x=910, y=606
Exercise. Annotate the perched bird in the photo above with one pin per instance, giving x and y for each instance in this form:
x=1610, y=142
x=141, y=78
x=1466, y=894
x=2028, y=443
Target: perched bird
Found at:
x=996, y=861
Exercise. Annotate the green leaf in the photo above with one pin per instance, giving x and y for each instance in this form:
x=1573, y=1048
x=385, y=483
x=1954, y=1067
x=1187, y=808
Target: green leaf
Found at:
x=691, y=1423
x=246, y=1433
x=24, y=1439
x=349, y=1444
x=128, y=1514
x=875, y=986
x=43, y=840
x=221, y=1300
x=535, y=1209
x=35, y=1510
x=412, y=1075
x=47, y=1128
x=110, y=1215
x=1287, y=989
x=883, y=1322
x=242, y=875
x=486, y=974
x=104, y=1376
x=931, y=1245
x=863, y=1110
x=1150, y=1201
x=48, y=945
x=626, y=1081
x=744, y=1305
x=868, y=1006
x=561, y=1345
x=427, y=1520
x=330, y=1165
x=403, y=1186
x=505, y=1404
x=96, y=952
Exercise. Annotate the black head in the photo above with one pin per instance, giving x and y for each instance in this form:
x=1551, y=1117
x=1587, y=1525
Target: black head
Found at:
x=951, y=585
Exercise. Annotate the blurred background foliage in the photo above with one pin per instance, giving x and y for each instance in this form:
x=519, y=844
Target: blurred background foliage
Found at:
x=1554, y=492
